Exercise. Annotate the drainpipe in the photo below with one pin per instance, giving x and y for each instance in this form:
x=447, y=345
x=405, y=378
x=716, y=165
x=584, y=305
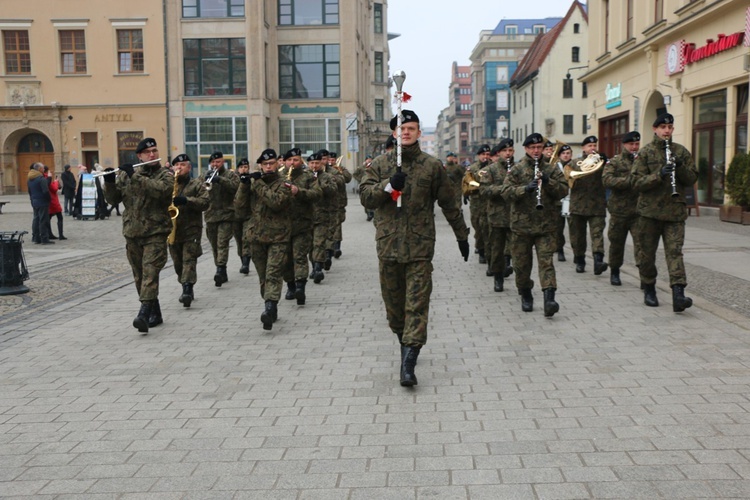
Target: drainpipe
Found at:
x=166, y=75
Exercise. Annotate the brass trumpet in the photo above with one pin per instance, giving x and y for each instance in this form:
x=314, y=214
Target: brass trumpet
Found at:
x=210, y=178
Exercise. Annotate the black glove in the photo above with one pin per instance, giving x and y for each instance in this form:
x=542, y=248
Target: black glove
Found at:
x=179, y=201
x=531, y=186
x=398, y=181
x=604, y=158
x=245, y=178
x=128, y=169
x=256, y=175
x=111, y=177
x=545, y=179
x=666, y=171
x=466, y=200
x=463, y=245
x=215, y=179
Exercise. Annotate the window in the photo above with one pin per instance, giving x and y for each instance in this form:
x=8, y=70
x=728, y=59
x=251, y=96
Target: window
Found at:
x=215, y=66
x=502, y=74
x=17, y=52
x=502, y=100
x=511, y=30
x=213, y=8
x=89, y=139
x=658, y=11
x=567, y=88
x=539, y=28
x=584, y=124
x=377, y=16
x=308, y=12
x=310, y=135
x=379, y=110
x=629, y=20
x=379, y=67
x=126, y=144
x=72, y=52
x=203, y=136
x=576, y=28
x=584, y=90
x=575, y=54
x=309, y=71
x=130, y=51
x=567, y=124
x=464, y=127
x=606, y=25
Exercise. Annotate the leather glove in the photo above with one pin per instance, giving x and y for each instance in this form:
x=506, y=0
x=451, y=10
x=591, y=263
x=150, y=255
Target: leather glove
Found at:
x=245, y=178
x=179, y=201
x=398, y=181
x=463, y=246
x=111, y=177
x=466, y=200
x=256, y=175
x=531, y=186
x=666, y=171
x=128, y=169
x=545, y=179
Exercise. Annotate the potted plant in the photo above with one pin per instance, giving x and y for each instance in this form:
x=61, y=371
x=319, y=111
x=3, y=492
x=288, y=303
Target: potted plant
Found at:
x=737, y=187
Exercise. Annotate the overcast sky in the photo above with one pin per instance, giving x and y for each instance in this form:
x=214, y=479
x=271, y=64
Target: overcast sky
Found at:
x=434, y=33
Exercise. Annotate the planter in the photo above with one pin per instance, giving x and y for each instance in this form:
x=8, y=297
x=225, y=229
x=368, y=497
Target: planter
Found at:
x=746, y=218
x=731, y=213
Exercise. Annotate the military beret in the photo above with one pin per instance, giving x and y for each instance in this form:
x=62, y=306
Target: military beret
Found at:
x=180, y=158
x=665, y=118
x=216, y=155
x=243, y=163
x=495, y=150
x=631, y=137
x=450, y=153
x=146, y=143
x=267, y=154
x=484, y=148
x=505, y=144
x=564, y=148
x=589, y=140
x=390, y=142
x=293, y=152
x=549, y=144
x=323, y=152
x=314, y=157
x=332, y=154
x=406, y=117
x=534, y=138
x=368, y=157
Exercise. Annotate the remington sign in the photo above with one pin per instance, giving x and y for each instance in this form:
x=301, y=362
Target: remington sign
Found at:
x=712, y=47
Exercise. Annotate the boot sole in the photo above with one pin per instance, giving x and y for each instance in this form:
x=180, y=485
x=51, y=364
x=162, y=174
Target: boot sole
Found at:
x=267, y=321
x=152, y=324
x=218, y=281
x=318, y=279
x=186, y=302
x=141, y=325
x=300, y=298
x=409, y=383
x=550, y=311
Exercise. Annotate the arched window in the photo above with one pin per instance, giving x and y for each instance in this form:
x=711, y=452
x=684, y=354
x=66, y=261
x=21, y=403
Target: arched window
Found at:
x=35, y=143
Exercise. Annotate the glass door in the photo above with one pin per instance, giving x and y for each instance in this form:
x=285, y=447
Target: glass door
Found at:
x=708, y=151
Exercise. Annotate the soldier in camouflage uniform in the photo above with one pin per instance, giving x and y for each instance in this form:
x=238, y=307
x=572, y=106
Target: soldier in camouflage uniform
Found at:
x=343, y=177
x=455, y=173
x=406, y=236
x=622, y=203
x=477, y=203
x=491, y=179
x=531, y=226
x=191, y=199
x=270, y=228
x=324, y=213
x=662, y=212
x=146, y=193
x=241, y=220
x=563, y=159
x=304, y=197
x=358, y=175
x=220, y=214
x=588, y=207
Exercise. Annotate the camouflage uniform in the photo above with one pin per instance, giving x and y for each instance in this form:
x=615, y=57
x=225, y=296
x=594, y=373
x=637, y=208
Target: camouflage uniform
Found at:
x=532, y=227
x=187, y=244
x=588, y=206
x=622, y=202
x=241, y=227
x=455, y=175
x=146, y=197
x=301, y=212
x=478, y=209
x=406, y=237
x=326, y=214
x=220, y=214
x=560, y=230
x=491, y=179
x=661, y=215
x=343, y=177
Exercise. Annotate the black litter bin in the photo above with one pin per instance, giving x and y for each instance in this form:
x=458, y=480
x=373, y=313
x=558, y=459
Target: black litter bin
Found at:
x=13, y=271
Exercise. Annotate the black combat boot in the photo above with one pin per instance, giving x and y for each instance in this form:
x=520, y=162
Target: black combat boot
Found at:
x=499, y=282
x=550, y=306
x=245, y=268
x=318, y=274
x=141, y=321
x=336, y=249
x=409, y=356
x=679, y=301
x=527, y=300
x=155, y=319
x=508, y=267
x=614, y=277
x=561, y=255
x=290, y=289
x=269, y=315
x=599, y=265
x=217, y=277
x=187, y=294
x=482, y=258
x=370, y=215
x=328, y=261
x=299, y=292
x=649, y=295
x=224, y=277
x=489, y=272
x=580, y=263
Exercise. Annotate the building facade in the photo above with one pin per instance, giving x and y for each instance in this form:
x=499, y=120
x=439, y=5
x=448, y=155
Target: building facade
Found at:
x=688, y=57
x=454, y=136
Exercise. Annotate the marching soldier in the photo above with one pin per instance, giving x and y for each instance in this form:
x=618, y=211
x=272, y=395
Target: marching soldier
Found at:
x=477, y=205
x=662, y=170
x=343, y=178
x=532, y=182
x=191, y=199
x=241, y=220
x=405, y=236
x=563, y=159
x=358, y=175
x=549, y=150
x=455, y=173
x=622, y=204
x=588, y=207
x=223, y=184
x=323, y=216
x=146, y=193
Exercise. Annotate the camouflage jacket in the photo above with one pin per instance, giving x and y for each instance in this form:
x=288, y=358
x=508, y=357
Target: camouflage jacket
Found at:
x=301, y=207
x=616, y=176
x=587, y=196
x=656, y=200
x=455, y=174
x=190, y=220
x=408, y=234
x=342, y=176
x=146, y=197
x=221, y=196
x=525, y=218
x=269, y=199
x=359, y=173
x=491, y=179
x=477, y=202
x=324, y=209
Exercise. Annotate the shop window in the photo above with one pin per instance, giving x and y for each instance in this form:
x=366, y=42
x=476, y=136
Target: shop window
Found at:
x=203, y=136
x=741, y=130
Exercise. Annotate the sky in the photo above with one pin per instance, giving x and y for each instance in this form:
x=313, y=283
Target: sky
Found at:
x=434, y=33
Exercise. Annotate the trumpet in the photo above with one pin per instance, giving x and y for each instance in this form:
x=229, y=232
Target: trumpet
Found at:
x=671, y=163
x=210, y=178
x=105, y=172
x=538, y=176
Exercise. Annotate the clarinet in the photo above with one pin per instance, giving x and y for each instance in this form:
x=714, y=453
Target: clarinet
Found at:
x=538, y=176
x=507, y=164
x=671, y=163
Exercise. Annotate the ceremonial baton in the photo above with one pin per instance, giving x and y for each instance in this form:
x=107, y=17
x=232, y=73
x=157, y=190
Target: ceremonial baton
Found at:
x=398, y=79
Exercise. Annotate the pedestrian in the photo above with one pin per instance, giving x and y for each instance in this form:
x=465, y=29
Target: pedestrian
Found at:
x=146, y=193
x=68, y=190
x=55, y=208
x=405, y=235
x=662, y=171
x=40, y=200
x=49, y=179
x=223, y=184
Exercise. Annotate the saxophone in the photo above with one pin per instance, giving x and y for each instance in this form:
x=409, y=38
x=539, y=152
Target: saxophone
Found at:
x=174, y=212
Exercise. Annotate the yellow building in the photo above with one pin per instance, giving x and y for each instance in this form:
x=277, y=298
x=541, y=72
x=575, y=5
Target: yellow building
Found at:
x=687, y=57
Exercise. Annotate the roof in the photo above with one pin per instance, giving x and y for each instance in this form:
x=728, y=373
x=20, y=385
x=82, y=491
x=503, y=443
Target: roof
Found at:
x=529, y=66
x=525, y=26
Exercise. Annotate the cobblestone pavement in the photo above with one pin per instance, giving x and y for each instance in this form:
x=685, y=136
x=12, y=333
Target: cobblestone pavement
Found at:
x=608, y=399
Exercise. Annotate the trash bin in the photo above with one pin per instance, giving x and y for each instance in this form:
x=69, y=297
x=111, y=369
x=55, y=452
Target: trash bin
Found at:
x=13, y=271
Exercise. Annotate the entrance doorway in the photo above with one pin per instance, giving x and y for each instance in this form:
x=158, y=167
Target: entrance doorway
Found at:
x=709, y=146
x=31, y=149
x=611, y=131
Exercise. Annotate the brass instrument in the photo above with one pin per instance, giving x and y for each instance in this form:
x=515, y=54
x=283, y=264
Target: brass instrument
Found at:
x=671, y=163
x=591, y=164
x=104, y=172
x=469, y=183
x=210, y=178
x=174, y=212
x=538, y=176
x=556, y=152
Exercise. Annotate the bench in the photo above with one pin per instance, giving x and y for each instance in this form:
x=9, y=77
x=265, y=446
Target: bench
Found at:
x=2, y=204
